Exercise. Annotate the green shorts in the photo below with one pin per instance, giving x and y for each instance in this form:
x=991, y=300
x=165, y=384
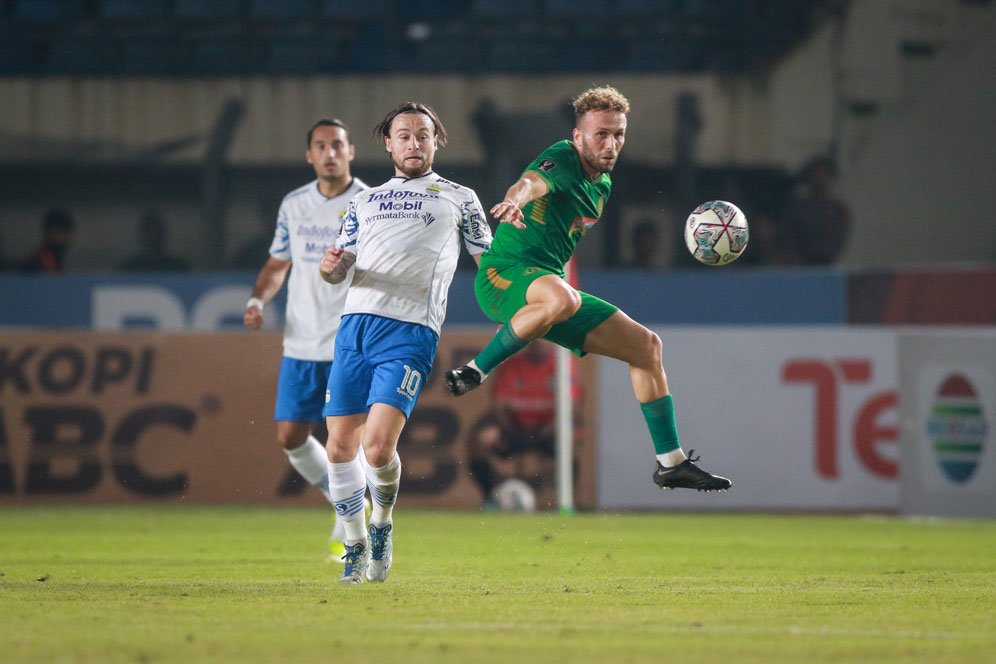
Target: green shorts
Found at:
x=501, y=292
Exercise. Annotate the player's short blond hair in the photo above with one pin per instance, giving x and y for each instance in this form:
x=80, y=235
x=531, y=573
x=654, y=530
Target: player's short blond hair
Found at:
x=603, y=98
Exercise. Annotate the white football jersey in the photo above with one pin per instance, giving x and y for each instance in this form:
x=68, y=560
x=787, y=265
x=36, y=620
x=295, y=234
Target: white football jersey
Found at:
x=406, y=236
x=307, y=224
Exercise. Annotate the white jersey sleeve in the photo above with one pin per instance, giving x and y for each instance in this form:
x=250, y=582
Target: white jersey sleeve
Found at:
x=406, y=237
x=474, y=226
x=307, y=224
x=280, y=247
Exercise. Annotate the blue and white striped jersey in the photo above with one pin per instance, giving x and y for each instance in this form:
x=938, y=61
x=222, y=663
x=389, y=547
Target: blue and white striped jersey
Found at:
x=307, y=224
x=406, y=236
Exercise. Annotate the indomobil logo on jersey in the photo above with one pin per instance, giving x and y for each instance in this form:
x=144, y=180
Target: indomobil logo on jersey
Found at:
x=387, y=206
x=402, y=195
x=958, y=428
x=316, y=232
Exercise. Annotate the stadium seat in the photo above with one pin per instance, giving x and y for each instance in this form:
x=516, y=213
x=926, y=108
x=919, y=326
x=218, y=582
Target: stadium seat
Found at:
x=521, y=54
x=199, y=10
x=49, y=11
x=576, y=8
x=503, y=9
x=719, y=10
x=73, y=53
x=297, y=53
x=222, y=54
x=134, y=10
x=645, y=8
x=281, y=9
x=671, y=54
x=18, y=55
x=153, y=53
x=367, y=51
x=356, y=10
x=430, y=9
x=448, y=54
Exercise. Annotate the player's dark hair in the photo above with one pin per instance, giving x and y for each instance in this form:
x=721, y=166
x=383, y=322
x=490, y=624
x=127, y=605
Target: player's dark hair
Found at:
x=328, y=122
x=383, y=127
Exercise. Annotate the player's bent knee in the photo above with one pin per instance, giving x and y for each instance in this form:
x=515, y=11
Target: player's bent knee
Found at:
x=340, y=451
x=650, y=349
x=566, y=305
x=291, y=438
x=378, y=457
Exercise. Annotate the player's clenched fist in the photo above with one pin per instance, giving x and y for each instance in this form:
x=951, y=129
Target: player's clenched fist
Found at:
x=330, y=260
x=252, y=318
x=335, y=264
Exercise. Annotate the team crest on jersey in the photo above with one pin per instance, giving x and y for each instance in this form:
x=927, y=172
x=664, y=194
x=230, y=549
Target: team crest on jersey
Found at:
x=432, y=187
x=546, y=165
x=581, y=225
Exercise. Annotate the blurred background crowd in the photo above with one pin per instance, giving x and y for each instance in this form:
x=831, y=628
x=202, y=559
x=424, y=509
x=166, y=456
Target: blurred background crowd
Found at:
x=160, y=135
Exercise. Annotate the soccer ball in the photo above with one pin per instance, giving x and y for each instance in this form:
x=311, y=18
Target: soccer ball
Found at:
x=716, y=233
x=514, y=495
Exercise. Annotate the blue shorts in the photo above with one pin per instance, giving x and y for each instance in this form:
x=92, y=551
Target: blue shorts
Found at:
x=301, y=390
x=378, y=360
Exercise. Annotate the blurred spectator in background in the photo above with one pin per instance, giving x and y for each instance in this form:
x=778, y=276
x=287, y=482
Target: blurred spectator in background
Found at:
x=766, y=246
x=645, y=241
x=4, y=263
x=816, y=222
x=517, y=438
x=256, y=249
x=58, y=229
x=152, y=255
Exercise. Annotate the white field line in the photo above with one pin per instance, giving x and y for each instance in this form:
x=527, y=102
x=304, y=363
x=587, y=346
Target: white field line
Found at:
x=787, y=630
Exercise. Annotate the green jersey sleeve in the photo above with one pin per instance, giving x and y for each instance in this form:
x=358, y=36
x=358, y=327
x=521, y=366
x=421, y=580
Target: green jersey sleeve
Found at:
x=556, y=221
x=557, y=165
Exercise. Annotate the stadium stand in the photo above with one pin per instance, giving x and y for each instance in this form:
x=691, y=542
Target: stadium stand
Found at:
x=174, y=37
x=198, y=10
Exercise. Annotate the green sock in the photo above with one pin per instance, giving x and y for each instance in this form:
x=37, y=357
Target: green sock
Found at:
x=659, y=415
x=501, y=347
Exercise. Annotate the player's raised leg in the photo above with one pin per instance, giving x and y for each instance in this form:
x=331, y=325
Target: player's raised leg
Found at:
x=622, y=338
x=347, y=485
x=306, y=455
x=548, y=300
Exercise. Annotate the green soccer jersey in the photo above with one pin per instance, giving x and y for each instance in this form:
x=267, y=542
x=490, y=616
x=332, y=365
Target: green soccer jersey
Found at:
x=556, y=222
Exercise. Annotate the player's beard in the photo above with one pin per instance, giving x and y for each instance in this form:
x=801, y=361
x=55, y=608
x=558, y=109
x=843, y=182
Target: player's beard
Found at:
x=594, y=162
x=413, y=171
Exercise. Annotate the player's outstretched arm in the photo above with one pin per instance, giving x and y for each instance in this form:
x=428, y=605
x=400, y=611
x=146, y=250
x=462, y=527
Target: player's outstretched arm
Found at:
x=525, y=190
x=335, y=264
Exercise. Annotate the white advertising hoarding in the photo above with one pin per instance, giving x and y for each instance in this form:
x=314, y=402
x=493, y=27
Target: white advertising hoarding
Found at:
x=801, y=418
x=948, y=407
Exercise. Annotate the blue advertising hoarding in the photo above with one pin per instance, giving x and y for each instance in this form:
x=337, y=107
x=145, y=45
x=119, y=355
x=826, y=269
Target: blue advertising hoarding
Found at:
x=204, y=302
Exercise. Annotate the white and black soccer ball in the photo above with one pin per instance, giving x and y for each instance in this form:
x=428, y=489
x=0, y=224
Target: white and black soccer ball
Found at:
x=515, y=495
x=716, y=233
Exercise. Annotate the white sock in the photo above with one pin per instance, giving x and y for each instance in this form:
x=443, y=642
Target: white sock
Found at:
x=384, y=483
x=478, y=369
x=347, y=486
x=312, y=462
x=672, y=458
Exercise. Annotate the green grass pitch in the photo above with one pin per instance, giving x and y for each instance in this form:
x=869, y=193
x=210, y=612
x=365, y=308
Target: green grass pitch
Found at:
x=172, y=584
